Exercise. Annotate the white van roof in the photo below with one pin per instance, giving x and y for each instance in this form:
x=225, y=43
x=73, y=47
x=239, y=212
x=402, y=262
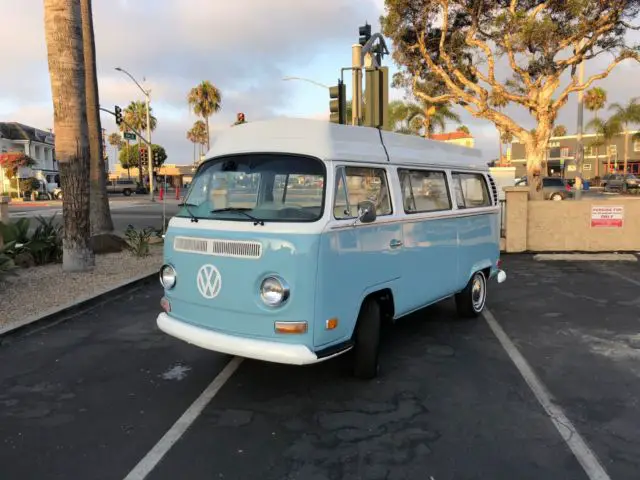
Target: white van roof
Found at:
x=331, y=141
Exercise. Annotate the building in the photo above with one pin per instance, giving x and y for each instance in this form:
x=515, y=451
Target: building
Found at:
x=35, y=143
x=459, y=138
x=561, y=155
x=176, y=175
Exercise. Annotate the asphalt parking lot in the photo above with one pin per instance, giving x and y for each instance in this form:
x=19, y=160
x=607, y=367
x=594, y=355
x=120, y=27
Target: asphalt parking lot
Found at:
x=105, y=395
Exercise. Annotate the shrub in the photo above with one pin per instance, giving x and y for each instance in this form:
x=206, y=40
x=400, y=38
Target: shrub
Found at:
x=7, y=267
x=138, y=240
x=42, y=247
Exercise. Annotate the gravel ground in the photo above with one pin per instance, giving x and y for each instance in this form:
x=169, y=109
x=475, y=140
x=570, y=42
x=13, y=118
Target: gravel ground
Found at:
x=39, y=289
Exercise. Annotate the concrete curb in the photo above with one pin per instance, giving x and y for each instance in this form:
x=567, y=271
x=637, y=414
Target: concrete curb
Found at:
x=588, y=257
x=70, y=310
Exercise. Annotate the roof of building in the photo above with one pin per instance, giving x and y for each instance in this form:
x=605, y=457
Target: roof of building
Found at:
x=450, y=136
x=330, y=141
x=19, y=131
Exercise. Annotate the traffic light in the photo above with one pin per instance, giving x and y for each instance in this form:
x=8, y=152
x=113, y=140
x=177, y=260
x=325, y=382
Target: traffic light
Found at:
x=376, y=97
x=144, y=156
x=118, y=115
x=365, y=34
x=338, y=103
x=240, y=117
x=156, y=158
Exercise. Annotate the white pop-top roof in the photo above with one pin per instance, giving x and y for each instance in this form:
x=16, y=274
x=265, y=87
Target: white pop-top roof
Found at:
x=330, y=141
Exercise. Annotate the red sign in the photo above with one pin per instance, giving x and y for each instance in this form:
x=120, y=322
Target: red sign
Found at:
x=602, y=216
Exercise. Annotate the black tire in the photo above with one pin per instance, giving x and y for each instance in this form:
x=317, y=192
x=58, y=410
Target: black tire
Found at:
x=366, y=351
x=126, y=192
x=556, y=197
x=471, y=301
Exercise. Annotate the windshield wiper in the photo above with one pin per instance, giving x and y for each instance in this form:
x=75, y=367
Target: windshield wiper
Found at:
x=186, y=206
x=256, y=221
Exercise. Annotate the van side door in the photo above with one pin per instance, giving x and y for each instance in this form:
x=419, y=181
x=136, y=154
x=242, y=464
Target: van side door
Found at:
x=356, y=258
x=430, y=236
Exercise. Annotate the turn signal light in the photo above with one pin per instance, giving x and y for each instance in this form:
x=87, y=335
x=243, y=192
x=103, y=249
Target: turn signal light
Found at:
x=291, y=327
x=331, y=324
x=164, y=303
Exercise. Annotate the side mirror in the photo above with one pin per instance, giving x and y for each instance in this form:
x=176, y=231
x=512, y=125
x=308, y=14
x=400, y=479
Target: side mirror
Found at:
x=366, y=211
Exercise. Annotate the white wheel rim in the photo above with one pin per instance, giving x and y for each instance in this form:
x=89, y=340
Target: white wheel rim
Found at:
x=478, y=292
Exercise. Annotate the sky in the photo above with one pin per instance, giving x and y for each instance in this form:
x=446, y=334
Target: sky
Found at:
x=244, y=47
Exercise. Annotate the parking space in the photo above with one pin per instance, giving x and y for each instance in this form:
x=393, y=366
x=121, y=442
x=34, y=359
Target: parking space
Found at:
x=94, y=396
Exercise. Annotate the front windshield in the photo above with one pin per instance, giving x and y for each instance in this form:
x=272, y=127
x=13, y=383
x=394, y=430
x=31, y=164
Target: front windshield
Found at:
x=265, y=187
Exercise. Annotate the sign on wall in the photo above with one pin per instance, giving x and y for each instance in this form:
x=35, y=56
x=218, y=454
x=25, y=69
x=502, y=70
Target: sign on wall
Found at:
x=607, y=216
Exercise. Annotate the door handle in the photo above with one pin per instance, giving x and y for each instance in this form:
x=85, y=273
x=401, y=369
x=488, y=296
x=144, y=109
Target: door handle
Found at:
x=395, y=243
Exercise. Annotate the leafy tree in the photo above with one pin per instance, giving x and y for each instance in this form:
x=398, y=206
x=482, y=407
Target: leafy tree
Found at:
x=559, y=131
x=452, y=47
x=130, y=156
x=63, y=37
x=205, y=99
x=463, y=129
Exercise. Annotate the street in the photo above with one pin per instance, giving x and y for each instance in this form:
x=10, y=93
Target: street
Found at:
x=100, y=395
x=136, y=210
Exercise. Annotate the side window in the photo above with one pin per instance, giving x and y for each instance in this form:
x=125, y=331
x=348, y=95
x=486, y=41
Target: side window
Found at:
x=362, y=183
x=471, y=190
x=424, y=191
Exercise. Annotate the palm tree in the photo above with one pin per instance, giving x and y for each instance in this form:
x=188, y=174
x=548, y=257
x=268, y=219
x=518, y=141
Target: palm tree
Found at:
x=192, y=138
x=136, y=116
x=63, y=35
x=605, y=131
x=116, y=141
x=100, y=213
x=626, y=115
x=431, y=116
x=559, y=131
x=205, y=99
x=463, y=129
x=595, y=99
x=200, y=131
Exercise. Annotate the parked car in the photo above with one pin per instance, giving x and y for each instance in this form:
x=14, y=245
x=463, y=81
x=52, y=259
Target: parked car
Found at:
x=123, y=186
x=616, y=181
x=553, y=188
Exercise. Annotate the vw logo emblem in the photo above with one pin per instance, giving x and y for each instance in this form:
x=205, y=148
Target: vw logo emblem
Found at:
x=209, y=281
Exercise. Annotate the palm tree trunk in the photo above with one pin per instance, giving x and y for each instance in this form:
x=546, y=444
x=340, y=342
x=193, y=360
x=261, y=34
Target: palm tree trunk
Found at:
x=101, y=221
x=194, y=152
x=63, y=34
x=208, y=138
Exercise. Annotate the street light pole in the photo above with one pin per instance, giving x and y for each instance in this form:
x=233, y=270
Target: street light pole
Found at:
x=307, y=80
x=149, y=153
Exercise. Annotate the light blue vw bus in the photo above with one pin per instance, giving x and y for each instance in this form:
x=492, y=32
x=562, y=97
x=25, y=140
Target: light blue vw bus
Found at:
x=299, y=238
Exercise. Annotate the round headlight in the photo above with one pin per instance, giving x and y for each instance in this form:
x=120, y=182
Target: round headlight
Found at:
x=168, y=276
x=274, y=291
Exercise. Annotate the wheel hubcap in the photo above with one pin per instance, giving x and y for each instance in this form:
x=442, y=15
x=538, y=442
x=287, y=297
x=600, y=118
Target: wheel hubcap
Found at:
x=477, y=293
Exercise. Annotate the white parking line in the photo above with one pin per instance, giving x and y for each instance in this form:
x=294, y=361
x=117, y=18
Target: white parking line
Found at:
x=587, y=458
x=155, y=455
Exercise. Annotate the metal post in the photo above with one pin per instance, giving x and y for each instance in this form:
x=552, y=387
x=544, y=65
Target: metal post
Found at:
x=356, y=101
x=149, y=152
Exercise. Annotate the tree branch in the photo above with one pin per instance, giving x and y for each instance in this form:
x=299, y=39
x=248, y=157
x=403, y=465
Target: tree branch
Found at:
x=575, y=87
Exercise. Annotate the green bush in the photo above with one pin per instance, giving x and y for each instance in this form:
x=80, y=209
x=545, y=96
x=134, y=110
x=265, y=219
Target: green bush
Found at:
x=7, y=267
x=43, y=246
x=138, y=240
